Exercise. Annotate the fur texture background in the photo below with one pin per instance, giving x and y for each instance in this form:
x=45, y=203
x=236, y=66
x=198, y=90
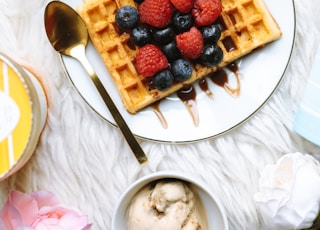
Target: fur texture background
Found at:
x=86, y=163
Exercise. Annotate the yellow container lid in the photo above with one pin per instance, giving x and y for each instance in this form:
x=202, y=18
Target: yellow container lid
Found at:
x=23, y=112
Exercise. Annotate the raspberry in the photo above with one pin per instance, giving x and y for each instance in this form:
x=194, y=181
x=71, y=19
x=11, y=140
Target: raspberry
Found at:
x=190, y=43
x=150, y=60
x=156, y=13
x=184, y=6
x=205, y=12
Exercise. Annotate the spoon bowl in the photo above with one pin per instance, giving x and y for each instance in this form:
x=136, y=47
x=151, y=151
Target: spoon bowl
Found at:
x=64, y=30
x=68, y=35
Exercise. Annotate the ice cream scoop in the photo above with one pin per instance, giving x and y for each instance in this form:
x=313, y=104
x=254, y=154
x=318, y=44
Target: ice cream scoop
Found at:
x=167, y=204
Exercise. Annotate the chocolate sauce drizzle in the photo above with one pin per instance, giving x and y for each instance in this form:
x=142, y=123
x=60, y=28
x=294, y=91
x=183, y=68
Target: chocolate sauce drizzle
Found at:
x=221, y=78
x=204, y=86
x=188, y=96
x=188, y=93
x=159, y=114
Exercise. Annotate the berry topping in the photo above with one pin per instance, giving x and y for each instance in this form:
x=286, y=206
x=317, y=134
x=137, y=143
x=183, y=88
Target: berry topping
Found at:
x=157, y=13
x=182, y=22
x=190, y=43
x=172, y=35
x=127, y=17
x=150, y=60
x=211, y=56
x=164, y=36
x=205, y=12
x=163, y=80
x=171, y=51
x=140, y=35
x=181, y=70
x=211, y=33
x=184, y=6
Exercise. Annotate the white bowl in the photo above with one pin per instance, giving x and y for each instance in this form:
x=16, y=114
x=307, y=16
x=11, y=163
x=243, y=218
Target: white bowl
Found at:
x=215, y=213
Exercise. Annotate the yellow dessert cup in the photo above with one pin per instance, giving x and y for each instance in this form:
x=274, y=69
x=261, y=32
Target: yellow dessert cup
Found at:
x=23, y=111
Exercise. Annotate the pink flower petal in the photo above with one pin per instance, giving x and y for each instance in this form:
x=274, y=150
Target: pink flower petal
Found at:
x=39, y=211
x=20, y=209
x=87, y=227
x=45, y=198
x=57, y=211
x=23, y=227
x=73, y=221
x=10, y=217
x=44, y=226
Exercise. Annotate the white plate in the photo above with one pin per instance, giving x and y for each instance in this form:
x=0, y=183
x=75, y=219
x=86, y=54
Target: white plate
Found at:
x=260, y=74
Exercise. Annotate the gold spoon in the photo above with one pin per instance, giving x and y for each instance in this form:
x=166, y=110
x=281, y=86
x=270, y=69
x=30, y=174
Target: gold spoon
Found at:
x=68, y=35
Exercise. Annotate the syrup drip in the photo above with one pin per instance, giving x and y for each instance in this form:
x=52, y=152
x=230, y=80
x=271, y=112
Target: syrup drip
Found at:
x=221, y=24
x=221, y=79
x=229, y=44
x=188, y=96
x=203, y=84
x=233, y=19
x=159, y=114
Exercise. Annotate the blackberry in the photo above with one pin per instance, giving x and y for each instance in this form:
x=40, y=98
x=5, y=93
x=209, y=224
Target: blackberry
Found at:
x=140, y=35
x=181, y=70
x=163, y=80
x=211, y=55
x=127, y=17
x=182, y=22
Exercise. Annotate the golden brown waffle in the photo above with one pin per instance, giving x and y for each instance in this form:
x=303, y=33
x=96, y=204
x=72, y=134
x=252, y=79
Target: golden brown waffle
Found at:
x=246, y=24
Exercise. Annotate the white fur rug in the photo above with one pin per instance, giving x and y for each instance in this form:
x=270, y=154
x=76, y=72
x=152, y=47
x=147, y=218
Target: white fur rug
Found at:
x=86, y=163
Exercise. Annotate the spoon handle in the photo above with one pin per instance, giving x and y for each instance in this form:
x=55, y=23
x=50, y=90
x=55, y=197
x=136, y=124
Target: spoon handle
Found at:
x=78, y=52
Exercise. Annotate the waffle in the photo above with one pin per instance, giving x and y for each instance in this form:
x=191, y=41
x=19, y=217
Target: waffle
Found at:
x=246, y=25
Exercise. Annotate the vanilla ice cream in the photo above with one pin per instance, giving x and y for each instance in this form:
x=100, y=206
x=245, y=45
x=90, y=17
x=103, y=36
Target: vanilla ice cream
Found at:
x=166, y=204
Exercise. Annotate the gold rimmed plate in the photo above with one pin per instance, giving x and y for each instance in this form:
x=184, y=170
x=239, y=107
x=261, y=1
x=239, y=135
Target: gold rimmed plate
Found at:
x=170, y=121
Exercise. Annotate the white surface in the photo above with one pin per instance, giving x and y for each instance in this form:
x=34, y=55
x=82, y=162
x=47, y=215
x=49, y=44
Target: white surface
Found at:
x=84, y=160
x=260, y=74
x=214, y=210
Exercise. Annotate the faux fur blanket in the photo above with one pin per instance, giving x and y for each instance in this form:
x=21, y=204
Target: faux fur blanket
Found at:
x=87, y=164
